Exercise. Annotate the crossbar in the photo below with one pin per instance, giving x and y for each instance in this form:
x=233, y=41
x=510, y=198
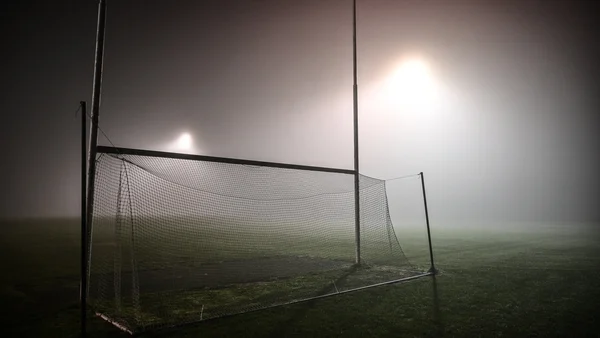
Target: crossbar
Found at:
x=163, y=154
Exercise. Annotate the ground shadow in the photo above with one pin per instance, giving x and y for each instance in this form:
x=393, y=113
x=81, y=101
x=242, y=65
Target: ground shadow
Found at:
x=438, y=323
x=299, y=310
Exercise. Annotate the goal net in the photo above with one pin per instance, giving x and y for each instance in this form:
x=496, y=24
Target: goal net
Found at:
x=182, y=240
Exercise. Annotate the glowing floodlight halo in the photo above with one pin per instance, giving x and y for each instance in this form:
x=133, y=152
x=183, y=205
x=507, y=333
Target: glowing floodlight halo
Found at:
x=411, y=85
x=184, y=142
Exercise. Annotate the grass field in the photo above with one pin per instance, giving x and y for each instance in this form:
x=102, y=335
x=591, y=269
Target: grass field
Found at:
x=515, y=282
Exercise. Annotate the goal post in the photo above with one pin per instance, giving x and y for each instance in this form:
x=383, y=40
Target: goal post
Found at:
x=355, y=134
x=179, y=238
x=183, y=238
x=88, y=165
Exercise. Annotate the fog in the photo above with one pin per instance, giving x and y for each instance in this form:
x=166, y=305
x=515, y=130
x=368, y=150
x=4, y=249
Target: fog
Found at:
x=509, y=136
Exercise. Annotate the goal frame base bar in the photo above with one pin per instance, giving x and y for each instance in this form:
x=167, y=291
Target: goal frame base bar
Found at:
x=114, y=323
x=199, y=321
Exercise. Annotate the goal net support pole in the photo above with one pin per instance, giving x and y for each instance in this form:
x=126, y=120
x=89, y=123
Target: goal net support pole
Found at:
x=432, y=268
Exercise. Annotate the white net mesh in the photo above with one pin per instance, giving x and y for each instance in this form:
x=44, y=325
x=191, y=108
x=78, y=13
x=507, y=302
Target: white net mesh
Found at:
x=176, y=241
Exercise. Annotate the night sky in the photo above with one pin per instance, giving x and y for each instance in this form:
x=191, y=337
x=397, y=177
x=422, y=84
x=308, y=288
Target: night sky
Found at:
x=512, y=136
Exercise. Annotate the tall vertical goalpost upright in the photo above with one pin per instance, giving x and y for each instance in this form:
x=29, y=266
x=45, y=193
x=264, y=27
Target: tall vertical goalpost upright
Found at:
x=88, y=190
x=355, y=124
x=89, y=170
x=356, y=156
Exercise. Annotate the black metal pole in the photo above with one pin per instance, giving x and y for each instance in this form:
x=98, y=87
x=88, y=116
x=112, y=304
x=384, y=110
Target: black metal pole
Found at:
x=91, y=174
x=163, y=154
x=432, y=268
x=356, y=166
x=94, y=124
x=83, y=281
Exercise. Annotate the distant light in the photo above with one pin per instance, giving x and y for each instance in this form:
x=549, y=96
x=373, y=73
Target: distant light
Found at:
x=411, y=85
x=412, y=76
x=184, y=142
